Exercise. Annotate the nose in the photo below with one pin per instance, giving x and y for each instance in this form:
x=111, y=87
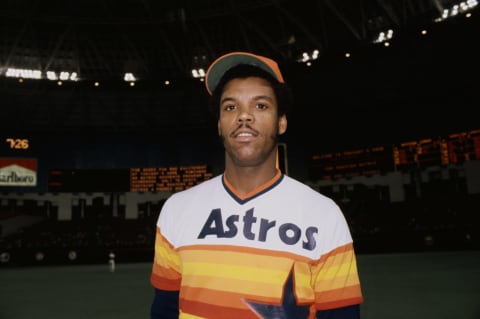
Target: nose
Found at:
x=245, y=116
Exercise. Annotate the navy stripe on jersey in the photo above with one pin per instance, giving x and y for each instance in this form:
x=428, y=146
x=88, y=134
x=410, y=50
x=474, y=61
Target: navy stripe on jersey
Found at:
x=245, y=200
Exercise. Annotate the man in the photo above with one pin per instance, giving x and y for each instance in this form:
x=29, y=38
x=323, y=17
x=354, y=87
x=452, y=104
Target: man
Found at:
x=252, y=242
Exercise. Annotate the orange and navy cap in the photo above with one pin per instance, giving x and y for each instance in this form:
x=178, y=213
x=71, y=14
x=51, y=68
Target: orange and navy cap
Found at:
x=224, y=63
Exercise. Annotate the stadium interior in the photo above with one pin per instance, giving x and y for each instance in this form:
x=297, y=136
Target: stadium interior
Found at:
x=102, y=89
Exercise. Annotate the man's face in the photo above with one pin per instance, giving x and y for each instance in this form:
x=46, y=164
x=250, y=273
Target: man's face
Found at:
x=249, y=123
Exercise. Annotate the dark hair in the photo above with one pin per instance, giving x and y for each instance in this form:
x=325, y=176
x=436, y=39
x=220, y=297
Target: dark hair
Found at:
x=281, y=90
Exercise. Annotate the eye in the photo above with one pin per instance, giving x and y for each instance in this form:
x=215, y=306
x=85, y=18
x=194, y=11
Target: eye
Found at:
x=229, y=107
x=261, y=106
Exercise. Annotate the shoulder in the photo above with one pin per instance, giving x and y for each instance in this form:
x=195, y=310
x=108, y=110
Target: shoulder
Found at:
x=299, y=190
x=179, y=206
x=194, y=193
x=319, y=211
x=319, y=208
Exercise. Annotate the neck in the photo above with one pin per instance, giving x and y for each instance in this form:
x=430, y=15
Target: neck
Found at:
x=247, y=179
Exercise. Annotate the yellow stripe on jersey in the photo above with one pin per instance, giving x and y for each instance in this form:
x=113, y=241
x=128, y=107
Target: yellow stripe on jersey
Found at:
x=223, y=270
x=166, y=265
x=303, y=284
x=336, y=281
x=188, y=316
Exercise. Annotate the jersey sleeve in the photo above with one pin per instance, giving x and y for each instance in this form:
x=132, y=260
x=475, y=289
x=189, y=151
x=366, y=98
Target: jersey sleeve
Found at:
x=336, y=280
x=166, y=265
x=335, y=275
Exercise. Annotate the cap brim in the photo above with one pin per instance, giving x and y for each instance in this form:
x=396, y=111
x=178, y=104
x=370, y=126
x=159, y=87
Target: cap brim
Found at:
x=224, y=63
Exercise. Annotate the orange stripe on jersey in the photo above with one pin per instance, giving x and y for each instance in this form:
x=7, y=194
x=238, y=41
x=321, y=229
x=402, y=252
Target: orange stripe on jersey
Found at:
x=228, y=285
x=340, y=294
x=202, y=310
x=336, y=281
x=341, y=249
x=256, y=190
x=340, y=298
x=338, y=265
x=232, y=299
x=163, y=283
x=268, y=254
x=303, y=282
x=236, y=272
x=166, y=264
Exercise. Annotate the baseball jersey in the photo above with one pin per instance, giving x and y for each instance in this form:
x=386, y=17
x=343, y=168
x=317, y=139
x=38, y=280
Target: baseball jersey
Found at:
x=282, y=248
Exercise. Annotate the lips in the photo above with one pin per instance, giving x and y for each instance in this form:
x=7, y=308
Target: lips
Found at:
x=244, y=134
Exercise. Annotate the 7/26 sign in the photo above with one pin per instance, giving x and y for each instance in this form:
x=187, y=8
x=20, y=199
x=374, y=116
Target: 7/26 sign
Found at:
x=18, y=143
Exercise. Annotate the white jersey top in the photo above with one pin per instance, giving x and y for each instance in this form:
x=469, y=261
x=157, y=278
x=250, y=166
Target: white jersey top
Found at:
x=228, y=255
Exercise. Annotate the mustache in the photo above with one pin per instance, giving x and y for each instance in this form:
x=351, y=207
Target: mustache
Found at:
x=243, y=126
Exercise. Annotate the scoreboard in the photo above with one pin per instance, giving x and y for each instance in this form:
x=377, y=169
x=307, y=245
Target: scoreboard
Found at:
x=454, y=149
x=368, y=161
x=167, y=179
x=138, y=179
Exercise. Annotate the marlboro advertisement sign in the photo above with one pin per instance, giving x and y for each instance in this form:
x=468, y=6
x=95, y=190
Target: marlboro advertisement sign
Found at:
x=18, y=172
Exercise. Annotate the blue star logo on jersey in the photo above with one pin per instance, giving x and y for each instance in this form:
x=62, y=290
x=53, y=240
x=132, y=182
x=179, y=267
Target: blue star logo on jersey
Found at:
x=287, y=310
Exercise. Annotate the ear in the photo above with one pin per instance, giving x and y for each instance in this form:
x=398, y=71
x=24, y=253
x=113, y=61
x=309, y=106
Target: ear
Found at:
x=282, y=124
x=218, y=128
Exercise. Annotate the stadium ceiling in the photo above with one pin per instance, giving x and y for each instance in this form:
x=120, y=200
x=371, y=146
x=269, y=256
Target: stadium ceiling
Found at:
x=157, y=40
x=101, y=39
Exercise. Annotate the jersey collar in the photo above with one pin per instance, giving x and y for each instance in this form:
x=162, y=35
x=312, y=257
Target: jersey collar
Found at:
x=242, y=199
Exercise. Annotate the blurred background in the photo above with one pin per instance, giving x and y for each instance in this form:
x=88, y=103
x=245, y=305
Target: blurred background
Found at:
x=104, y=115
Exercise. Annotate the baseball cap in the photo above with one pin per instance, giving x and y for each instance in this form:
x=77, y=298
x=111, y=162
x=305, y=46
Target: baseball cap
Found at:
x=224, y=63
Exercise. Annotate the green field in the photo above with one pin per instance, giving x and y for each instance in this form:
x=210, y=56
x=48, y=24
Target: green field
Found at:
x=430, y=285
